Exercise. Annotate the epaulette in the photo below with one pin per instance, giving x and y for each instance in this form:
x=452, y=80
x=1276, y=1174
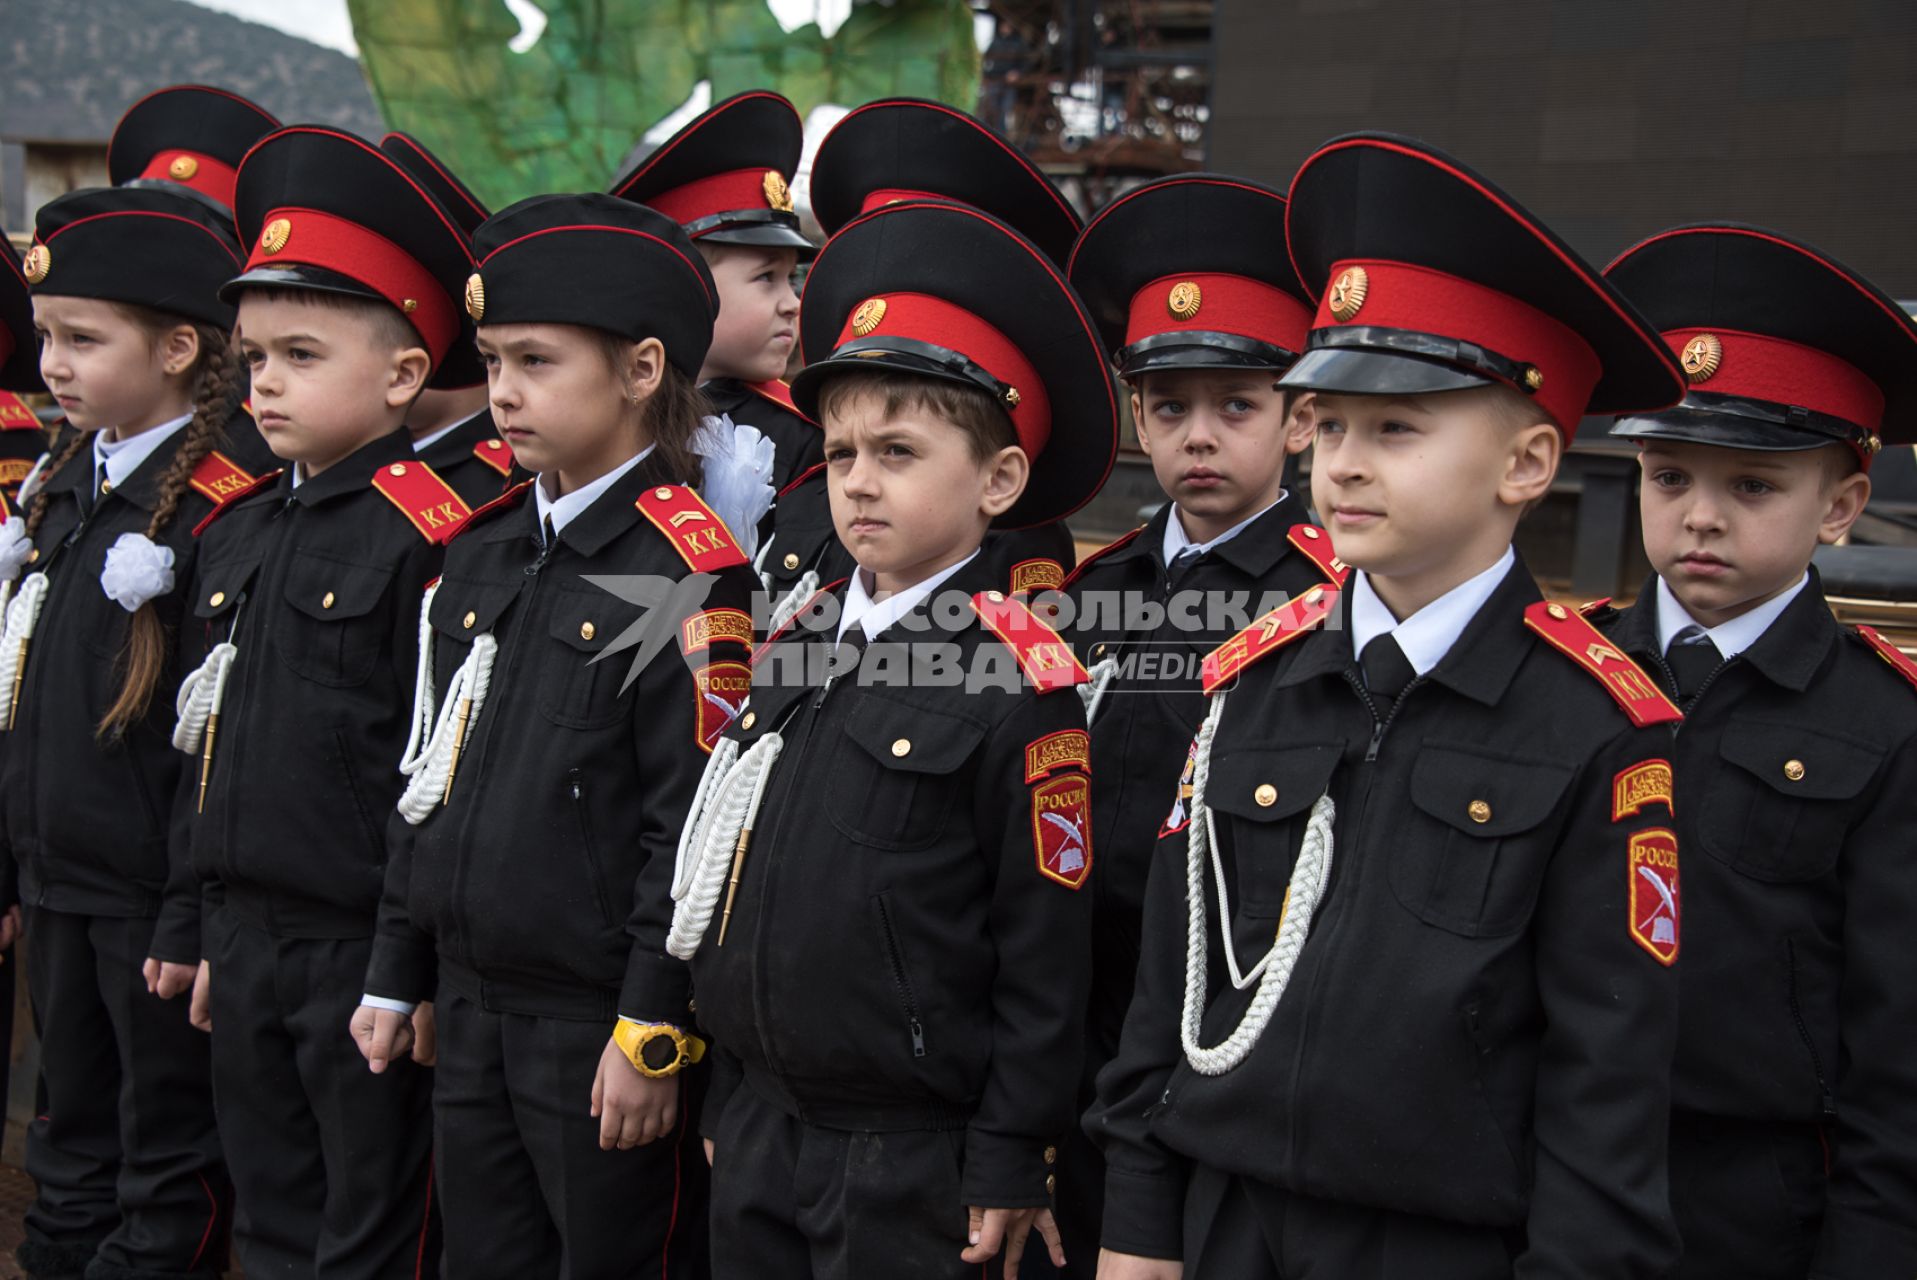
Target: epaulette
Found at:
x=423, y=498
x=1048, y=662
x=1296, y=617
x=496, y=454
x=233, y=499
x=802, y=477
x=218, y=477
x=1889, y=652
x=247, y=404
x=487, y=511
x=15, y=415
x=779, y=393
x=1315, y=545
x=1040, y=573
x=1573, y=636
x=695, y=531
x=798, y=613
x=1592, y=608
x=1123, y=540
x=6, y=512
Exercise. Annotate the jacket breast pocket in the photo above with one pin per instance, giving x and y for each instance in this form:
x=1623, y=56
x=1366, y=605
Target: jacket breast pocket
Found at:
x=1263, y=798
x=333, y=631
x=1472, y=859
x=462, y=610
x=895, y=772
x=577, y=689
x=1781, y=798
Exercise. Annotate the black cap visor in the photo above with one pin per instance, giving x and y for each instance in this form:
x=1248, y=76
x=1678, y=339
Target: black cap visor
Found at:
x=1196, y=349
x=1733, y=422
x=1353, y=372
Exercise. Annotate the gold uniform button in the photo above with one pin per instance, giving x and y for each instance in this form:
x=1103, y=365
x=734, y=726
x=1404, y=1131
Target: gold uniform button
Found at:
x=996, y=597
x=1557, y=611
x=217, y=599
x=749, y=719
x=398, y=469
x=791, y=560
x=1266, y=795
x=587, y=631
x=468, y=620
x=1480, y=811
x=1099, y=652
x=662, y=493
x=33, y=556
x=495, y=444
x=1310, y=533
x=1051, y=1155
x=327, y=603
x=902, y=747
x=1794, y=770
x=106, y=487
x=1051, y=1184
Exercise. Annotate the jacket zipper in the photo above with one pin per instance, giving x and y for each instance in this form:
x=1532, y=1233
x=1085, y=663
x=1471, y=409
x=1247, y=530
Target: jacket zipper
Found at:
x=1826, y=1104
x=903, y=982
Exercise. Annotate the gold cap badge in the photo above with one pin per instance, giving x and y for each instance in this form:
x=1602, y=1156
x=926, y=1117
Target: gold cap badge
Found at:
x=1185, y=299
x=475, y=297
x=277, y=233
x=182, y=168
x=777, y=193
x=1702, y=357
x=1348, y=292
x=867, y=317
x=1012, y=397
x=39, y=262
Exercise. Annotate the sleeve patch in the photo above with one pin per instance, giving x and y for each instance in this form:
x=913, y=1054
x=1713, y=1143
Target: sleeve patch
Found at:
x=1654, y=893
x=1062, y=829
x=1639, y=786
x=722, y=688
x=1180, y=816
x=1068, y=748
x=1037, y=575
x=710, y=626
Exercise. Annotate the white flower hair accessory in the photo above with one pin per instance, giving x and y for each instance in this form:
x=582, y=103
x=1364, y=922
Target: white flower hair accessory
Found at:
x=738, y=476
x=137, y=570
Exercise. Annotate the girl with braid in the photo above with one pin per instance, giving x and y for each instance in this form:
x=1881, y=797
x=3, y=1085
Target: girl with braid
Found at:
x=94, y=800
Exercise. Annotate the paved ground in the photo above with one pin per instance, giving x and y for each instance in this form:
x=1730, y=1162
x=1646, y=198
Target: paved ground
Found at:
x=16, y=1192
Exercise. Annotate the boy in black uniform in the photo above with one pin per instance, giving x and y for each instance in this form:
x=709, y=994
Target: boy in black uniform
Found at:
x=726, y=179
x=1405, y=1007
x=885, y=151
x=897, y=973
x=452, y=427
x=1199, y=303
x=1794, y=1121
x=550, y=787
x=308, y=592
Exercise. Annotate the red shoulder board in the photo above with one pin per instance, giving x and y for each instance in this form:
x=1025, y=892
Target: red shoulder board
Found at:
x=496, y=454
x=14, y=414
x=1590, y=607
x=218, y=477
x=1123, y=540
x=1048, y=662
x=694, y=529
x=1573, y=636
x=1294, y=618
x=487, y=511
x=1315, y=545
x=810, y=600
x=232, y=499
x=247, y=404
x=1890, y=653
x=6, y=512
x=422, y=497
x=817, y=468
x=779, y=393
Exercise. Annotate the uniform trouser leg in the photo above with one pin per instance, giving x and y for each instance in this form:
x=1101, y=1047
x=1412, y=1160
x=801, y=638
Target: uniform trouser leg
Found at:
x=793, y=1200
x=331, y=1163
x=1748, y=1198
x=526, y=1191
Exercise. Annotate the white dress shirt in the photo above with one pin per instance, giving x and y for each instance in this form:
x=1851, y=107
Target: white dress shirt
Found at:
x=1177, y=540
x=874, y=616
x=115, y=460
x=1427, y=635
x=1730, y=638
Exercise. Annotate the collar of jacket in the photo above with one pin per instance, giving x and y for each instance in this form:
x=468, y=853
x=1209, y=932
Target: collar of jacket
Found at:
x=1788, y=654
x=354, y=472
x=615, y=511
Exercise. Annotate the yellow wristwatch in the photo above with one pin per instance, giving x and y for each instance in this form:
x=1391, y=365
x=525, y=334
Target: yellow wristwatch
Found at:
x=646, y=1046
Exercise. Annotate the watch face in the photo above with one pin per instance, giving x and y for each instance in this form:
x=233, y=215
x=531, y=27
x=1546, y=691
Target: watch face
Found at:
x=659, y=1052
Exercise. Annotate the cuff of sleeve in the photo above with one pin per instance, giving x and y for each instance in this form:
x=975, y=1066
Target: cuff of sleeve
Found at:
x=1007, y=1171
x=381, y=1002
x=176, y=934
x=402, y=971
x=1144, y=1213
x=658, y=988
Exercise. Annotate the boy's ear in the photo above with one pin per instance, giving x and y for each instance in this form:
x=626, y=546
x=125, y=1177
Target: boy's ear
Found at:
x=406, y=376
x=1847, y=499
x=1007, y=472
x=1530, y=465
x=1301, y=421
x=179, y=349
x=1138, y=419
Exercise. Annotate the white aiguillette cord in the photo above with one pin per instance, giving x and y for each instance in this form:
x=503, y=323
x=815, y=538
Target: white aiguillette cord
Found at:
x=712, y=845
x=434, y=742
x=198, y=704
x=23, y=615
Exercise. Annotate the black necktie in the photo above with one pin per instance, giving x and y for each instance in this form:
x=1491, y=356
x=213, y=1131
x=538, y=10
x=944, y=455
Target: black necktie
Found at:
x=1692, y=657
x=1181, y=565
x=548, y=534
x=1387, y=670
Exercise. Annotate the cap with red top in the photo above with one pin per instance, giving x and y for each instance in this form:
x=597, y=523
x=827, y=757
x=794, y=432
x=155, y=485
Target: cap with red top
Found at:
x=190, y=135
x=454, y=196
x=152, y=246
x=907, y=148
x=1784, y=347
x=1189, y=273
x=944, y=291
x=326, y=211
x=727, y=176
x=1428, y=278
x=19, y=352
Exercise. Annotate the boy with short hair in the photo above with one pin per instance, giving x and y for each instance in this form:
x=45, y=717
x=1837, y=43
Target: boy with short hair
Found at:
x=897, y=970
x=308, y=590
x=1405, y=1004
x=1794, y=1099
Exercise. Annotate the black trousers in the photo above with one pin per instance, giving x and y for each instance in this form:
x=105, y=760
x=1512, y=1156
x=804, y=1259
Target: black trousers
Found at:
x=526, y=1191
x=123, y=1146
x=332, y=1164
x=791, y=1200
x=1236, y=1229
x=1748, y=1197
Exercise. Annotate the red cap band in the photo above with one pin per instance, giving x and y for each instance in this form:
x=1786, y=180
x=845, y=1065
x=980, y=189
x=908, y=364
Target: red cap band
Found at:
x=923, y=318
x=1757, y=366
x=1236, y=305
x=1397, y=295
x=310, y=238
x=195, y=169
x=893, y=195
x=720, y=193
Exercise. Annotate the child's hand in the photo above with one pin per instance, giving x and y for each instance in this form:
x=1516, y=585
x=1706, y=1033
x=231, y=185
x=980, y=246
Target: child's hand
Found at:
x=1129, y=1266
x=10, y=927
x=381, y=1034
x=200, y=1011
x=708, y=1153
x=166, y=979
x=633, y=1109
x=992, y=1228
x=425, y=1036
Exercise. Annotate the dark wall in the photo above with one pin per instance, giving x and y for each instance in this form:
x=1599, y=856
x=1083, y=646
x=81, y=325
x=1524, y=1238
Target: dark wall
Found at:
x=1611, y=119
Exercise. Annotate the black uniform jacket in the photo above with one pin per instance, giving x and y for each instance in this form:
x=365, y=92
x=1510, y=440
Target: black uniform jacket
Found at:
x=1797, y=800
x=1153, y=705
x=1471, y=1032
x=474, y=460
x=545, y=881
x=318, y=587
x=796, y=439
x=907, y=949
x=91, y=821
